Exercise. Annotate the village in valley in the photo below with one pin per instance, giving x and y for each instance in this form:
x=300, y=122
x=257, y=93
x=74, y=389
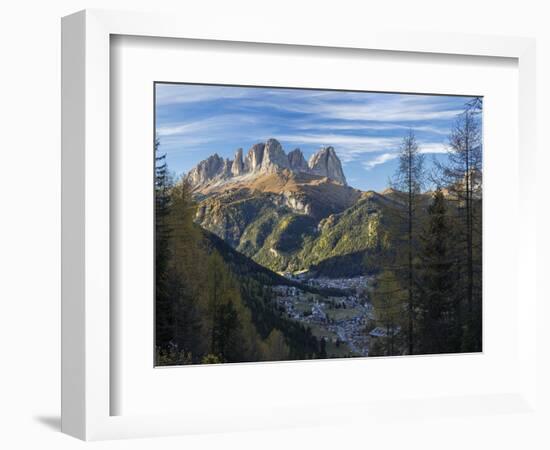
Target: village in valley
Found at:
x=344, y=320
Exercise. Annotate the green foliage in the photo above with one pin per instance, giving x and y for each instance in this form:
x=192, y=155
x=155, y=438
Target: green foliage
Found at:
x=291, y=231
x=255, y=234
x=355, y=230
x=262, y=226
x=239, y=218
x=164, y=308
x=211, y=359
x=439, y=329
x=361, y=240
x=276, y=348
x=285, y=240
x=390, y=301
x=234, y=336
x=214, y=304
x=408, y=180
x=462, y=177
x=186, y=274
x=172, y=357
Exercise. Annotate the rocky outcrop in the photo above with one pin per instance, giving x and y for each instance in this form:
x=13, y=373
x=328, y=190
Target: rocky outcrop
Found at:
x=206, y=170
x=254, y=158
x=237, y=168
x=274, y=157
x=226, y=170
x=327, y=164
x=265, y=158
x=297, y=162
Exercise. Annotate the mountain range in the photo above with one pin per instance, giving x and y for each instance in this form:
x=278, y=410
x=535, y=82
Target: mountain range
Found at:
x=287, y=214
x=261, y=159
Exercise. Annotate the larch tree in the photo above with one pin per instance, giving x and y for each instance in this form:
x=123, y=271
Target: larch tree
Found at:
x=232, y=334
x=390, y=302
x=276, y=348
x=187, y=272
x=408, y=181
x=437, y=321
x=462, y=176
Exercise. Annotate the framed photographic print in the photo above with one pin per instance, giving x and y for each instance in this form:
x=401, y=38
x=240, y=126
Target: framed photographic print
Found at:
x=316, y=215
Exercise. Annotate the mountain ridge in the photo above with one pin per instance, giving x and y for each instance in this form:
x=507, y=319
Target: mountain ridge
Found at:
x=264, y=158
x=286, y=214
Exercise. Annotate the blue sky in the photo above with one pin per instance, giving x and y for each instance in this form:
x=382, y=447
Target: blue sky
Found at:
x=366, y=129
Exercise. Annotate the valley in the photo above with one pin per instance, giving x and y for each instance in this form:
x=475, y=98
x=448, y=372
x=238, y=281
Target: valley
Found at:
x=338, y=319
x=302, y=221
x=291, y=219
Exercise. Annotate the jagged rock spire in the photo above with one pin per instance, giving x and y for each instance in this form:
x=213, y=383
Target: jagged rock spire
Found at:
x=268, y=157
x=274, y=157
x=254, y=158
x=237, y=167
x=327, y=164
x=206, y=170
x=297, y=162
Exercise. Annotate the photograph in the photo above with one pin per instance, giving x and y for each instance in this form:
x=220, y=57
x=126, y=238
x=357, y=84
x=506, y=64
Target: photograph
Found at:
x=294, y=223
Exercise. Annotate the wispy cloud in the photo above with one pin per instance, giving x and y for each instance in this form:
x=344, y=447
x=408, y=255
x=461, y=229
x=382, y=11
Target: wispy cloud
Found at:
x=369, y=126
x=398, y=109
x=366, y=129
x=330, y=104
x=380, y=159
x=433, y=147
x=361, y=106
x=170, y=94
x=370, y=143
x=424, y=147
x=213, y=124
x=348, y=147
x=183, y=129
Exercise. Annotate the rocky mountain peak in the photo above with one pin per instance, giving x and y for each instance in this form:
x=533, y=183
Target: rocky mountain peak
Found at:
x=274, y=157
x=237, y=168
x=297, y=162
x=266, y=158
x=327, y=164
x=254, y=158
x=206, y=170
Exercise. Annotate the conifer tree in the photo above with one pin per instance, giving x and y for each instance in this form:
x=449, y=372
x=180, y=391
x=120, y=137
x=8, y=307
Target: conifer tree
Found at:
x=390, y=304
x=164, y=322
x=462, y=175
x=408, y=181
x=323, y=348
x=437, y=325
x=276, y=347
x=186, y=273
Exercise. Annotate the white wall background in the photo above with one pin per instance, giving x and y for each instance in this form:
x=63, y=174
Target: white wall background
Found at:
x=30, y=198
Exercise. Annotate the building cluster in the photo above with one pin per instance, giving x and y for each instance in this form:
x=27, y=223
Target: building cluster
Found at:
x=326, y=312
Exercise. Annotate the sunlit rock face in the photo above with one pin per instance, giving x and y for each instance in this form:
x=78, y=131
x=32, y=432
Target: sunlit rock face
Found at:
x=327, y=164
x=265, y=158
x=274, y=157
x=206, y=170
x=297, y=162
x=237, y=167
x=254, y=157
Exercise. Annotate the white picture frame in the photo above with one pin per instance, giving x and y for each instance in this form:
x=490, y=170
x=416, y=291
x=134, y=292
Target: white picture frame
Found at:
x=86, y=220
